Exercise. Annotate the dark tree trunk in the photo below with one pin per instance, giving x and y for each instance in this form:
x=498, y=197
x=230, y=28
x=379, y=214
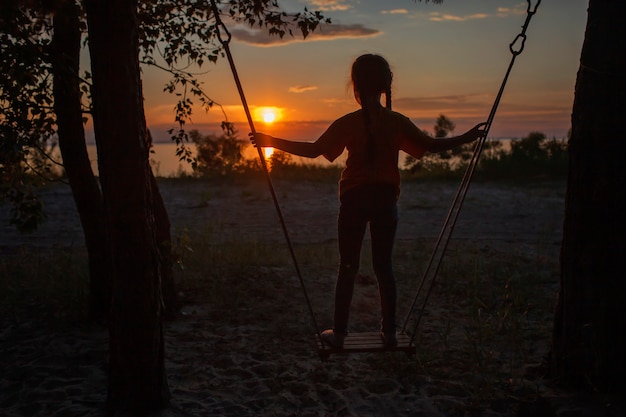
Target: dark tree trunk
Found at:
x=589, y=341
x=137, y=378
x=164, y=240
x=84, y=185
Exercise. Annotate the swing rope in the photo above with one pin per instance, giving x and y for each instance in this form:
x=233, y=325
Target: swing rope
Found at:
x=516, y=47
x=225, y=44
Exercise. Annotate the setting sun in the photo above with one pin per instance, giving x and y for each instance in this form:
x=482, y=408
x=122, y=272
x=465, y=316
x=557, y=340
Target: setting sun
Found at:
x=267, y=152
x=268, y=115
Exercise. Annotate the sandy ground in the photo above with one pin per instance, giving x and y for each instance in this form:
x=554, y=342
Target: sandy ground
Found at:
x=494, y=213
x=258, y=363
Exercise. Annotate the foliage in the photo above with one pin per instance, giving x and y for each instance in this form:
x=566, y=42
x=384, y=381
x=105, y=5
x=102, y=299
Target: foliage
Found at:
x=218, y=155
x=443, y=126
x=221, y=156
x=282, y=166
x=441, y=162
x=26, y=118
x=175, y=35
x=179, y=36
x=534, y=156
x=280, y=162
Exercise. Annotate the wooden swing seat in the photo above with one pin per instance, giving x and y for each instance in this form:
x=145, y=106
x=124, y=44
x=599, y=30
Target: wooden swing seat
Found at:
x=365, y=342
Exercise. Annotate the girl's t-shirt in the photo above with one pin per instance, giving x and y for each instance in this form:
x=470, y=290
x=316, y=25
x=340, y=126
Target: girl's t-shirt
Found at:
x=391, y=132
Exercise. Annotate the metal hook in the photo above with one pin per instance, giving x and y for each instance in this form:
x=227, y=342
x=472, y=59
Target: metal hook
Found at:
x=531, y=10
x=521, y=36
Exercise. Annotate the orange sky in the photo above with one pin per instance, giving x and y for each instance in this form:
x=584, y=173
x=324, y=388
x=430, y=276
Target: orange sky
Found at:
x=447, y=58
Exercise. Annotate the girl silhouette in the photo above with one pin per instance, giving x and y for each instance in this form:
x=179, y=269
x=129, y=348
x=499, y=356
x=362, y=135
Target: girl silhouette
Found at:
x=369, y=186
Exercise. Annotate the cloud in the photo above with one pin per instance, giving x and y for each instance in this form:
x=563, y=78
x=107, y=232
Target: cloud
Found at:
x=474, y=106
x=501, y=12
x=516, y=10
x=331, y=5
x=395, y=11
x=327, y=32
x=417, y=103
x=302, y=88
x=444, y=17
x=513, y=118
x=356, y=30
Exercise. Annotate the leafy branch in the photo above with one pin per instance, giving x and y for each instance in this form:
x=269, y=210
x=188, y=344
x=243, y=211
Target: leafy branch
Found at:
x=184, y=35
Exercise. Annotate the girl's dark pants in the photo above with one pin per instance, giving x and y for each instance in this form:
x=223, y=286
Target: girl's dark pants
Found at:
x=376, y=205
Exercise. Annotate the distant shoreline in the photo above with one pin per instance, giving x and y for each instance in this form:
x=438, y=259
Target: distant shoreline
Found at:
x=166, y=164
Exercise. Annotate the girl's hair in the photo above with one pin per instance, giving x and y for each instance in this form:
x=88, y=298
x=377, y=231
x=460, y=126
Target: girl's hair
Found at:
x=371, y=76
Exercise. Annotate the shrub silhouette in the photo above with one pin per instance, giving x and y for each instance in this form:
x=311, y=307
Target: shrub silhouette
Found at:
x=219, y=156
x=532, y=157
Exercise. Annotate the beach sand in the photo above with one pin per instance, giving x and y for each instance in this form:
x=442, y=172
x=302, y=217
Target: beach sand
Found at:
x=254, y=354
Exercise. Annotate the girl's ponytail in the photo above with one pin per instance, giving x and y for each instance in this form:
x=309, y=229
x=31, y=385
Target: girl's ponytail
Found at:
x=371, y=76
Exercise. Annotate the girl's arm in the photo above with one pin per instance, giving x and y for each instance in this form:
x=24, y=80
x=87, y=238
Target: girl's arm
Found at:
x=444, y=144
x=305, y=149
x=419, y=142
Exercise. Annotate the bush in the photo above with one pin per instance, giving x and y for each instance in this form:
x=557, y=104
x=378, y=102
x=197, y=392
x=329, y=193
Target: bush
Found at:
x=532, y=157
x=219, y=156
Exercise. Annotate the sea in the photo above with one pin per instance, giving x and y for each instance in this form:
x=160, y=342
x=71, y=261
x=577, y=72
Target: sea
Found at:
x=166, y=164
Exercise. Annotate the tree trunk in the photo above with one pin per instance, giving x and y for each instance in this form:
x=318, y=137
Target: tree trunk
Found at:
x=84, y=185
x=589, y=340
x=137, y=378
x=164, y=240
